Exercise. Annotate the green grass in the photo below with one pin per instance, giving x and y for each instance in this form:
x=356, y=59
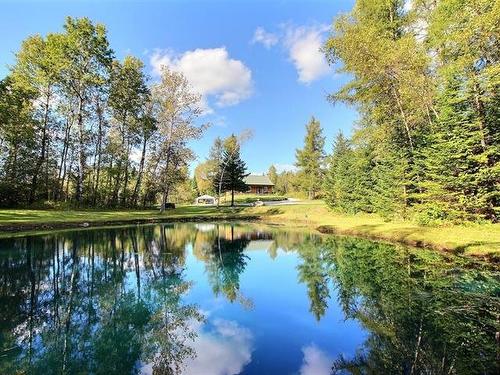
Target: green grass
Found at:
x=41, y=217
x=473, y=239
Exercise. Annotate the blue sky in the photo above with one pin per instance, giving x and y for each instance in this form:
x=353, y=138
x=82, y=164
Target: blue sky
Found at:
x=255, y=62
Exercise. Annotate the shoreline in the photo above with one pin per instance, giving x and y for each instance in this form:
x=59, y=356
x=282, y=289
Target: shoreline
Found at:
x=260, y=215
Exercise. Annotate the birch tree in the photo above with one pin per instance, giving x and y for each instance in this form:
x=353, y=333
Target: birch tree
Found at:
x=176, y=109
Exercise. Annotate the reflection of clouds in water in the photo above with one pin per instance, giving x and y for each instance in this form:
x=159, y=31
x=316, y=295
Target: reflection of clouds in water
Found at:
x=316, y=362
x=224, y=349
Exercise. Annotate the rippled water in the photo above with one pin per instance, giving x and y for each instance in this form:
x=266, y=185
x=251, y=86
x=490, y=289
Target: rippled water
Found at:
x=218, y=299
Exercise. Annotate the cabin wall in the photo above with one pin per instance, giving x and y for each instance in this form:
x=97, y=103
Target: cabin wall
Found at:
x=259, y=189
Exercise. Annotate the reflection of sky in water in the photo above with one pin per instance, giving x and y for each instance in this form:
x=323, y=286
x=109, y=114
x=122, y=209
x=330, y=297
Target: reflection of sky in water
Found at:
x=222, y=347
x=283, y=336
x=316, y=362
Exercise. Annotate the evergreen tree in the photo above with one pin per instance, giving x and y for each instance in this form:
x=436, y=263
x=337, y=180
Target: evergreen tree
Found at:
x=272, y=174
x=348, y=178
x=231, y=173
x=389, y=191
x=461, y=176
x=310, y=159
x=338, y=171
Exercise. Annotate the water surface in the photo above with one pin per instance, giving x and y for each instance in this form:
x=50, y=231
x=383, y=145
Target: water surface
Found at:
x=217, y=299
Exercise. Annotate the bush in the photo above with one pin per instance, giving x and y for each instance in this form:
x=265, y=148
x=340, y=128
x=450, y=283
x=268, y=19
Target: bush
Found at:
x=430, y=214
x=11, y=195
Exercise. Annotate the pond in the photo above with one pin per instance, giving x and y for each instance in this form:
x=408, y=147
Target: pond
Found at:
x=234, y=298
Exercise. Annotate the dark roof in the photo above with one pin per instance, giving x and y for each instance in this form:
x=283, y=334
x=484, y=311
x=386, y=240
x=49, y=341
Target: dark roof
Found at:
x=258, y=180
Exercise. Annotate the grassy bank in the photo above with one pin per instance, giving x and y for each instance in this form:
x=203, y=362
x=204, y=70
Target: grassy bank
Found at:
x=478, y=240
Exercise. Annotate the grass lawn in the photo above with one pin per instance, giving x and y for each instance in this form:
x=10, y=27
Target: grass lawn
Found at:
x=481, y=240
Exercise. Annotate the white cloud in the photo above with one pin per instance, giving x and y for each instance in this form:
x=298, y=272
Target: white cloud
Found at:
x=265, y=38
x=211, y=72
x=303, y=44
x=315, y=362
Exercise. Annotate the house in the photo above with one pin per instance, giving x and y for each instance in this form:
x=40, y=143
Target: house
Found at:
x=206, y=199
x=259, y=184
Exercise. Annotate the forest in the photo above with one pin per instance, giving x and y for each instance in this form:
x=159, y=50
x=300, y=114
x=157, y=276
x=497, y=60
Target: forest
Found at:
x=426, y=83
x=80, y=128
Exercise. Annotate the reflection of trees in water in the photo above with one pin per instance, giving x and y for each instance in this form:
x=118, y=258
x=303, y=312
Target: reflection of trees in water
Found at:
x=170, y=333
x=76, y=303
x=108, y=301
x=225, y=263
x=313, y=272
x=423, y=315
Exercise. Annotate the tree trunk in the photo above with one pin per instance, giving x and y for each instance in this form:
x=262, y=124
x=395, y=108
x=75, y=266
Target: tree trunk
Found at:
x=125, y=180
x=116, y=189
x=41, y=158
x=232, y=197
x=81, y=153
x=64, y=154
x=403, y=116
x=479, y=107
x=135, y=195
x=98, y=153
x=164, y=200
x=70, y=169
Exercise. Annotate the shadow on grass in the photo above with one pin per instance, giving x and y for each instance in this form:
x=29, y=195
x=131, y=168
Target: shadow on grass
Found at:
x=463, y=248
x=273, y=211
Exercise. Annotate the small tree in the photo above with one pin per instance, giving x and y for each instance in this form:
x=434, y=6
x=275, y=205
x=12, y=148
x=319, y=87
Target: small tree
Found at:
x=231, y=173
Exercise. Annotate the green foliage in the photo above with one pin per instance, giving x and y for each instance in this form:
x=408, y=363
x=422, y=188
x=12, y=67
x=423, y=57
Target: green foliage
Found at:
x=72, y=116
x=287, y=182
x=347, y=181
x=428, y=141
x=310, y=159
x=422, y=310
x=231, y=172
x=18, y=137
x=272, y=173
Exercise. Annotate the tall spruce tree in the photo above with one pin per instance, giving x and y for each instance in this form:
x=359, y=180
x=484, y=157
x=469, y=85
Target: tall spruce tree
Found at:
x=311, y=158
x=348, y=178
x=231, y=173
x=338, y=171
x=462, y=152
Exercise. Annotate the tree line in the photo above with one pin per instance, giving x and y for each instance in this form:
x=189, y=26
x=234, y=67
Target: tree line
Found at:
x=426, y=83
x=82, y=128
